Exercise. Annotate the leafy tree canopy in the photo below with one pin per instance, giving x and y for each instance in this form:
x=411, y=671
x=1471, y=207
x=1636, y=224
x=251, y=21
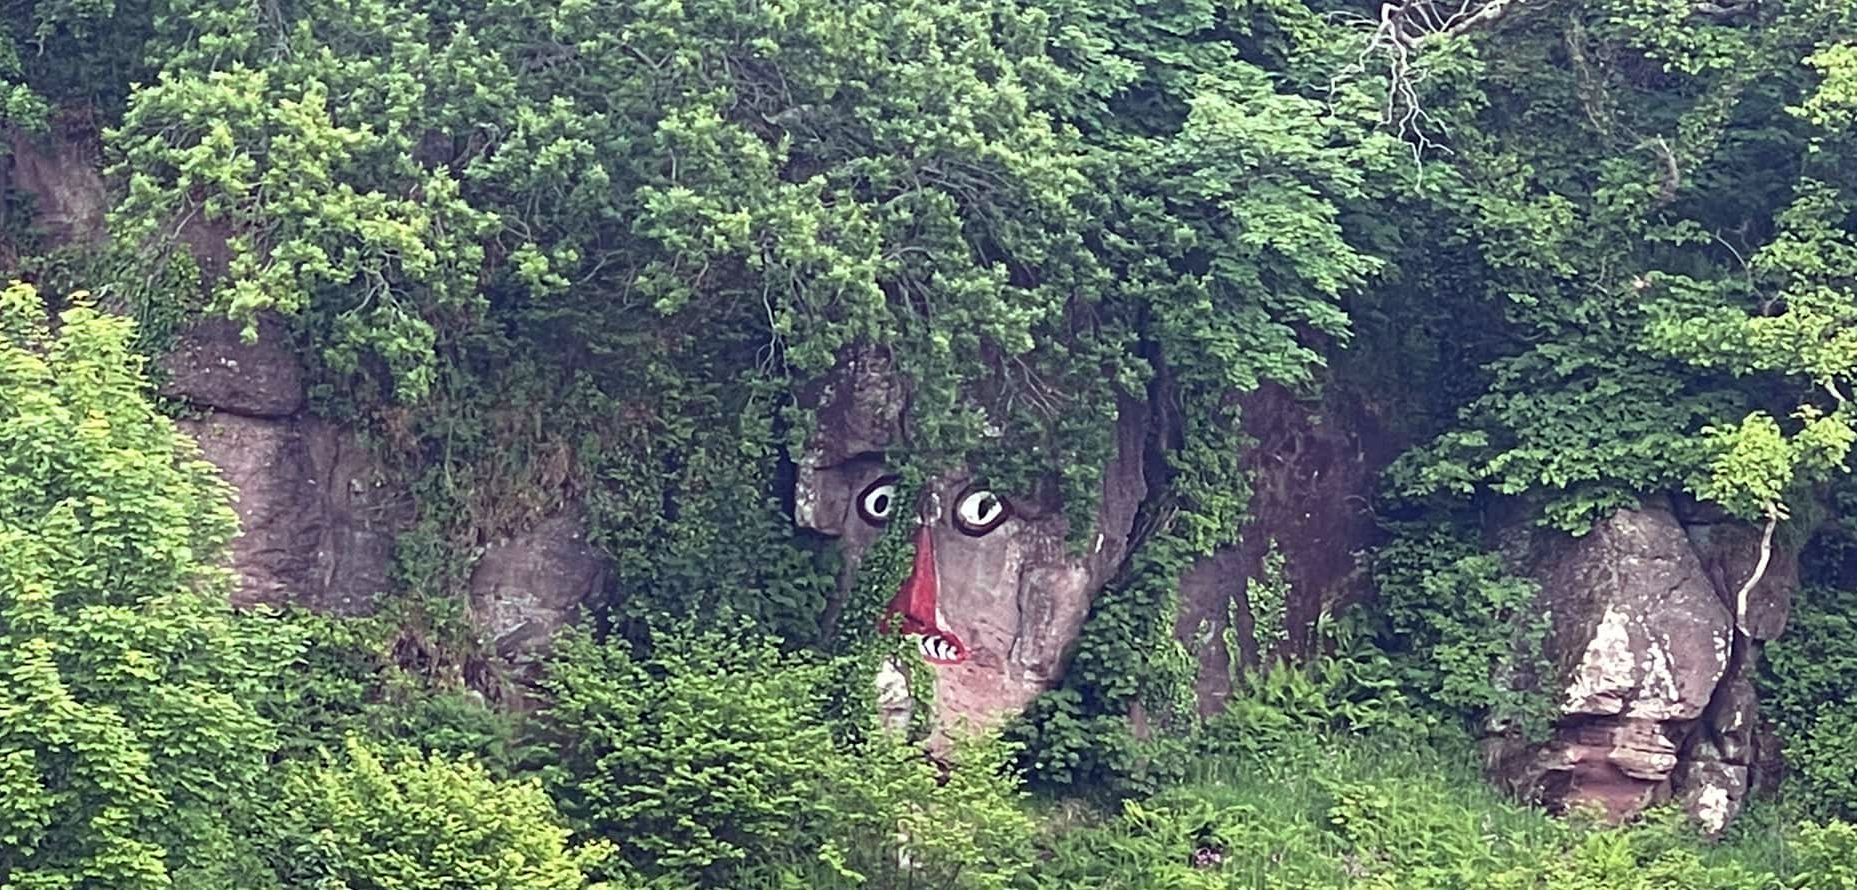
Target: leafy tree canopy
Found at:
x=128, y=742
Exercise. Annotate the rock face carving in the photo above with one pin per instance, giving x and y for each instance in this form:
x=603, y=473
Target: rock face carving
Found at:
x=1654, y=688
x=996, y=594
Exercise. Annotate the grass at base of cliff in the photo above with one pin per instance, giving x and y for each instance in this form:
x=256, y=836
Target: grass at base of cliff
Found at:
x=1381, y=813
x=1385, y=813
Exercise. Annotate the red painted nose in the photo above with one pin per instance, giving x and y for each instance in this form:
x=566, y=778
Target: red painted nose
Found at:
x=915, y=602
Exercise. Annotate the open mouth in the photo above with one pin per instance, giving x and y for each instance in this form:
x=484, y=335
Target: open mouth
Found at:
x=939, y=649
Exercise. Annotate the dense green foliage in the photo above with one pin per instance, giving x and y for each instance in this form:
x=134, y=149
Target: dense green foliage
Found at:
x=1372, y=813
x=710, y=758
x=417, y=823
x=129, y=747
x=1465, y=631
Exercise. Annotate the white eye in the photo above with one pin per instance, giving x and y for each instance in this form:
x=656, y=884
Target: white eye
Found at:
x=979, y=511
x=878, y=501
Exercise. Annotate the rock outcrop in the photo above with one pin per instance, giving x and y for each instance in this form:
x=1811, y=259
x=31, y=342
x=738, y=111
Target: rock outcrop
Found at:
x=317, y=519
x=59, y=171
x=528, y=586
x=1652, y=680
x=318, y=516
x=1313, y=467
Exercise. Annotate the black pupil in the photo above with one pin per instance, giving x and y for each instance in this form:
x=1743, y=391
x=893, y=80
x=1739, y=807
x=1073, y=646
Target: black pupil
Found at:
x=984, y=507
x=880, y=503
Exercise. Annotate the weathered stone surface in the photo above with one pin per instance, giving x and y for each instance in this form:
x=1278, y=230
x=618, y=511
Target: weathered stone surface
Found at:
x=1618, y=764
x=1713, y=791
x=1730, y=551
x=1212, y=600
x=1733, y=716
x=1019, y=596
x=1657, y=693
x=528, y=586
x=213, y=367
x=1640, y=641
x=1313, y=467
x=317, y=526
x=1638, y=629
x=59, y=171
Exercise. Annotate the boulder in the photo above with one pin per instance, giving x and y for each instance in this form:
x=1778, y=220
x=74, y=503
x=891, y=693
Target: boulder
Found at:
x=211, y=366
x=528, y=586
x=1639, y=642
x=1655, y=686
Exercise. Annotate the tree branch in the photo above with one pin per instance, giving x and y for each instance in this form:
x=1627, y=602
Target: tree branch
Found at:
x=1760, y=570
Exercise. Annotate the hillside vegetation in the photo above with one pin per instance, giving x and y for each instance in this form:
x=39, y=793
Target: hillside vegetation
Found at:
x=1095, y=271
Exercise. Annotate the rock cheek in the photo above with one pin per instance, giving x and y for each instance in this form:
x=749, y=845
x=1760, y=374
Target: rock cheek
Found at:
x=1019, y=596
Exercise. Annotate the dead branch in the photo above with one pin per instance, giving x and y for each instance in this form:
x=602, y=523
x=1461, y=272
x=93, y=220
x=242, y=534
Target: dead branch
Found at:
x=1404, y=30
x=1774, y=512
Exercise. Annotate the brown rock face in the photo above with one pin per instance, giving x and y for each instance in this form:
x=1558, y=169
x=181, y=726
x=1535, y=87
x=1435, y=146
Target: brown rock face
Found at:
x=213, y=367
x=997, y=598
x=59, y=171
x=1655, y=694
x=1313, y=466
x=528, y=586
x=318, y=521
x=316, y=524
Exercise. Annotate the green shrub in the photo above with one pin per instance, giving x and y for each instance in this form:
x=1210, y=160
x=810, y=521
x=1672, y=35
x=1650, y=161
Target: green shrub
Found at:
x=128, y=739
x=895, y=820
x=1065, y=749
x=1808, y=689
x=1386, y=812
x=1827, y=857
x=344, y=680
x=706, y=758
x=413, y=823
x=695, y=756
x=1463, y=628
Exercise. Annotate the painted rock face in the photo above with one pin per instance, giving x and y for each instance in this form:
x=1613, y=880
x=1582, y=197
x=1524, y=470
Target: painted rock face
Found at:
x=916, y=609
x=996, y=592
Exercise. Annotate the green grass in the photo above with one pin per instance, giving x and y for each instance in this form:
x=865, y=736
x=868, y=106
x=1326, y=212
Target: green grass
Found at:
x=1382, y=813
